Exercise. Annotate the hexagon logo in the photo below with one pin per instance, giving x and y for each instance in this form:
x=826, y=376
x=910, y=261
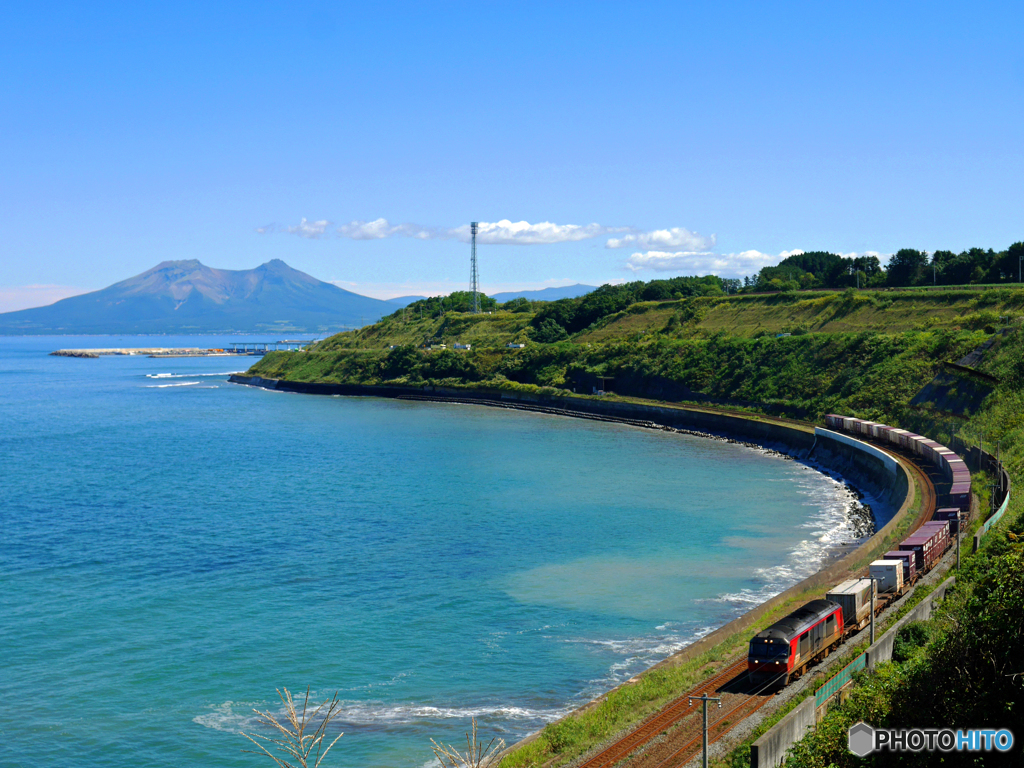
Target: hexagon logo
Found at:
x=861, y=739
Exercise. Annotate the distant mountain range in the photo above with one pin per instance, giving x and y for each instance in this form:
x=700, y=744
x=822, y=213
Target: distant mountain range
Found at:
x=189, y=297
x=546, y=294
x=404, y=301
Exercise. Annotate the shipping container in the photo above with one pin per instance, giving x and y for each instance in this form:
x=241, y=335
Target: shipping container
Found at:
x=931, y=449
x=959, y=496
x=950, y=514
x=834, y=421
x=929, y=542
x=917, y=544
x=888, y=575
x=881, y=433
x=896, y=436
x=854, y=596
x=957, y=465
x=909, y=564
x=907, y=441
x=941, y=529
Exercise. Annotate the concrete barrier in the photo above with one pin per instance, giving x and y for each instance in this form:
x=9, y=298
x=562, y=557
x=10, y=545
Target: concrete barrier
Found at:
x=771, y=748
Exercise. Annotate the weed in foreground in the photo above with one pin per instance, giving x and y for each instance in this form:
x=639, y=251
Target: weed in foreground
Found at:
x=294, y=742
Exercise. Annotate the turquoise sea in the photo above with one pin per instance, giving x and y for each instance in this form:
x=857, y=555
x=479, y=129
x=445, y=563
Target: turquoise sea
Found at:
x=173, y=548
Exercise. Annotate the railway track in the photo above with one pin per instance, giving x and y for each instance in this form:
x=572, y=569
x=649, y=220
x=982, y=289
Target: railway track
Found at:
x=722, y=725
x=664, y=719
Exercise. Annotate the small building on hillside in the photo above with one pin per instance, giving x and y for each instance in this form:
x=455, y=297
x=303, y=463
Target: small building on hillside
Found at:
x=512, y=345
x=463, y=346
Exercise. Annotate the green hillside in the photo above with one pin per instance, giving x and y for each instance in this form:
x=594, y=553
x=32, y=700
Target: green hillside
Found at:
x=869, y=353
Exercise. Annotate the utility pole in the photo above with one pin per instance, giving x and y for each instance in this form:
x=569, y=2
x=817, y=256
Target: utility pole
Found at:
x=872, y=610
x=999, y=468
x=704, y=699
x=959, y=535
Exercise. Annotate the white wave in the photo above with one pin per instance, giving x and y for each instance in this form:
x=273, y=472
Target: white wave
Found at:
x=179, y=384
x=836, y=520
x=224, y=717
x=636, y=654
x=186, y=375
x=234, y=717
x=375, y=712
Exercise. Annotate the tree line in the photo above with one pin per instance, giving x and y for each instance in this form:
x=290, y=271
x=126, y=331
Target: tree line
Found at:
x=905, y=268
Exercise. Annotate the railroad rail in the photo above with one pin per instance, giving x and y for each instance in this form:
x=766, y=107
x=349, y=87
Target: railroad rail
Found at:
x=664, y=719
x=716, y=730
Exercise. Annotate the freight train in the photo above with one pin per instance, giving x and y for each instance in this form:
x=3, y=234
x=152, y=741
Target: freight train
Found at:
x=784, y=651
x=952, y=466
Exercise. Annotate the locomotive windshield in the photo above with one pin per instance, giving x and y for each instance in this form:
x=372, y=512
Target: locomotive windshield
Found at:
x=764, y=648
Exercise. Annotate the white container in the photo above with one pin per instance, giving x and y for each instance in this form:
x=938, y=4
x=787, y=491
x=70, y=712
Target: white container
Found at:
x=855, y=598
x=889, y=575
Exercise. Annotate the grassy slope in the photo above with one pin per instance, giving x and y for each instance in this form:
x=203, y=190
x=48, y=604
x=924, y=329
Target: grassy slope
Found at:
x=824, y=312
x=696, y=349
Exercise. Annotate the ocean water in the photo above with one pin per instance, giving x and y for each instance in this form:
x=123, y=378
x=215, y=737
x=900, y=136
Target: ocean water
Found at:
x=173, y=548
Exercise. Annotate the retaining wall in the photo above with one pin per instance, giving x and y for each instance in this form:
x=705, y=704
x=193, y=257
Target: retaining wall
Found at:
x=862, y=463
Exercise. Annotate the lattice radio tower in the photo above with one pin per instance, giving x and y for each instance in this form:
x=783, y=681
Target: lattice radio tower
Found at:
x=474, y=276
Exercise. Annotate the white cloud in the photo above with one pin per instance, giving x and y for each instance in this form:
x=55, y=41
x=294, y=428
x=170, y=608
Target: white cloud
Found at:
x=502, y=232
x=662, y=239
x=378, y=229
x=507, y=232
x=704, y=262
x=310, y=229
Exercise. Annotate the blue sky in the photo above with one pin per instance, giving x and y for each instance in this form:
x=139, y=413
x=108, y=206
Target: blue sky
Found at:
x=697, y=136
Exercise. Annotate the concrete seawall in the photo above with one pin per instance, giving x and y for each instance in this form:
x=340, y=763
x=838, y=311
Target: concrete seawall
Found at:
x=864, y=465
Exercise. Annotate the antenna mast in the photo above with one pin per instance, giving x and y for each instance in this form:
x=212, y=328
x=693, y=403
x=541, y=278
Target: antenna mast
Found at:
x=474, y=276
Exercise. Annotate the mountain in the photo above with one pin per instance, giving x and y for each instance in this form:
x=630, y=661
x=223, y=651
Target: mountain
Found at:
x=547, y=294
x=189, y=297
x=404, y=301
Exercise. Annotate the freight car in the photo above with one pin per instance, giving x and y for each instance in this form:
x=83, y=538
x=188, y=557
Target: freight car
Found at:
x=854, y=595
x=909, y=564
x=929, y=543
x=783, y=652
x=946, y=461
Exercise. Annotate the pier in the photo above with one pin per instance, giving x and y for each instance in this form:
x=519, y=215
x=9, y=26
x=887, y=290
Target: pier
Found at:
x=232, y=349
